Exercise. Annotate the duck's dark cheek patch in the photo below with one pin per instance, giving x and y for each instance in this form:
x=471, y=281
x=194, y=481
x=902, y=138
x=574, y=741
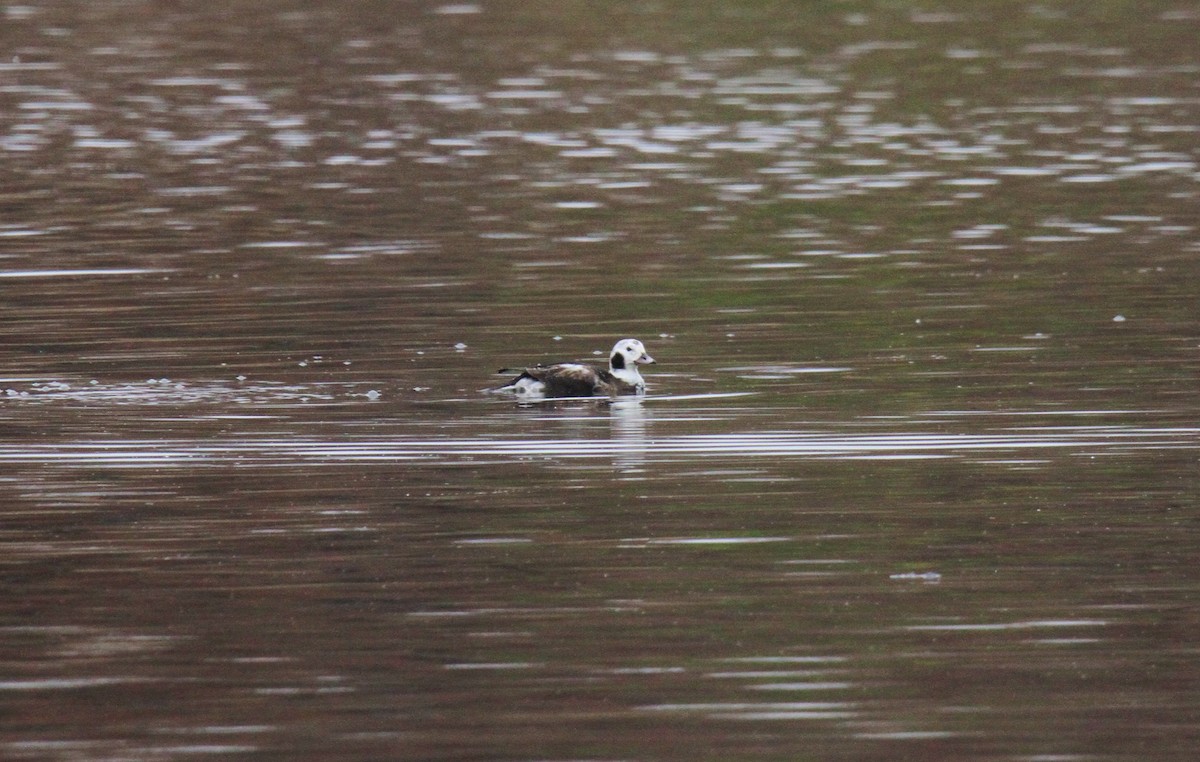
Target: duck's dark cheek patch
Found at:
x=618, y=362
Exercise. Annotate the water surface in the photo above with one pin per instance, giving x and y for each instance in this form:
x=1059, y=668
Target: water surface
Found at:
x=916, y=476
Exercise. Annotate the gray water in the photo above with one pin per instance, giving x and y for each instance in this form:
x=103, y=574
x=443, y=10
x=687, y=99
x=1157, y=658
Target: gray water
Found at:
x=915, y=478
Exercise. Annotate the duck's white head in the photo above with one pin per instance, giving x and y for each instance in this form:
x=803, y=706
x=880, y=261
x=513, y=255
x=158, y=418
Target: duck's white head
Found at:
x=626, y=355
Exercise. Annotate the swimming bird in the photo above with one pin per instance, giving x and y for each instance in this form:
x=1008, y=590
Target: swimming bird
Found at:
x=571, y=379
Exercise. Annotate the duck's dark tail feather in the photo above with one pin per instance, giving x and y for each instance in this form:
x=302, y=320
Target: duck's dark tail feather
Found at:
x=513, y=382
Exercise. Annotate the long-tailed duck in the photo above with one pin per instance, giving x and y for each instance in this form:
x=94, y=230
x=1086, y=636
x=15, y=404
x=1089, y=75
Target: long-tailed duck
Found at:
x=571, y=379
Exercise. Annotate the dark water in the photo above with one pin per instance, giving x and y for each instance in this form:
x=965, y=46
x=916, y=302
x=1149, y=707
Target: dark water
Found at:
x=917, y=475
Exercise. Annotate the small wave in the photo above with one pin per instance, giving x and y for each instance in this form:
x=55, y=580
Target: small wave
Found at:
x=750, y=446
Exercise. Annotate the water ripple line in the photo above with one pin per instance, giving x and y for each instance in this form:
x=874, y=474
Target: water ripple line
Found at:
x=157, y=453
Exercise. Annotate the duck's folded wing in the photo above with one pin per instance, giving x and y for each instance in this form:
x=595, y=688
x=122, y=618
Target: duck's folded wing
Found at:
x=567, y=379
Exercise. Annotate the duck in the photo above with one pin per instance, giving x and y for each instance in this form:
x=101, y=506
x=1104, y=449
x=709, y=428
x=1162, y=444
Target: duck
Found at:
x=571, y=379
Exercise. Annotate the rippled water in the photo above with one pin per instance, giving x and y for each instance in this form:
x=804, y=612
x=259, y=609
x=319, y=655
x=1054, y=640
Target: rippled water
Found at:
x=916, y=477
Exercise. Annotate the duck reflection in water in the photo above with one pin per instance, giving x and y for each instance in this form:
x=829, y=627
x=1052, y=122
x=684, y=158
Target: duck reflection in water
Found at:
x=628, y=427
